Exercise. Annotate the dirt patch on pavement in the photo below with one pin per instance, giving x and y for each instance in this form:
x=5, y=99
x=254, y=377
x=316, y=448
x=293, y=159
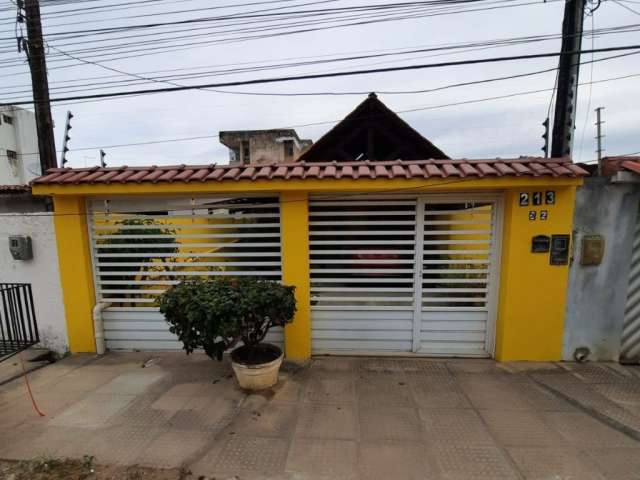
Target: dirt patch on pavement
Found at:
x=84, y=469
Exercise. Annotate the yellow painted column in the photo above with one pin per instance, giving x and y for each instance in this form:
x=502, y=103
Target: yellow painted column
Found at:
x=532, y=291
x=76, y=275
x=294, y=221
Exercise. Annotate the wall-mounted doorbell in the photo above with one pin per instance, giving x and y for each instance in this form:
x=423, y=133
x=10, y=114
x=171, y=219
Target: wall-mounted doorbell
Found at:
x=559, y=249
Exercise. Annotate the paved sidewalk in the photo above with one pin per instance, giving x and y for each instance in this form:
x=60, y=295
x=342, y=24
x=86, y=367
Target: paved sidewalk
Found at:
x=338, y=418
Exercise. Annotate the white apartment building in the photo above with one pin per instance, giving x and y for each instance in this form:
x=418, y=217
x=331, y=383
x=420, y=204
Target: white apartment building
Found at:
x=19, y=160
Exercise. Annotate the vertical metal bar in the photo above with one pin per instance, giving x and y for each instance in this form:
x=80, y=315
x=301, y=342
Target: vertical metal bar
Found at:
x=417, y=274
x=3, y=319
x=12, y=317
x=22, y=329
x=27, y=311
x=33, y=311
x=493, y=279
x=92, y=250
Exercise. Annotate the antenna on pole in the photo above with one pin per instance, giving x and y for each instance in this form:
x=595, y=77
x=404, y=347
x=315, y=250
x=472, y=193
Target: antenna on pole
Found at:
x=102, y=155
x=599, y=137
x=65, y=149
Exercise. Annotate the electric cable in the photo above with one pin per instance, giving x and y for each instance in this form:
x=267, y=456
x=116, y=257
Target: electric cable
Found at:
x=327, y=75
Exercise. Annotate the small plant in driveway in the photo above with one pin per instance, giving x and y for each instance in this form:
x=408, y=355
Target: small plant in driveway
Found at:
x=216, y=315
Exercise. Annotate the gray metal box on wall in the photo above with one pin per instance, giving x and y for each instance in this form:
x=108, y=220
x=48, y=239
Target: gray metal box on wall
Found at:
x=20, y=247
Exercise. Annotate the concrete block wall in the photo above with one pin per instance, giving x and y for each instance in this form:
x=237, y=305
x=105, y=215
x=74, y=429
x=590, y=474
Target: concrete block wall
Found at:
x=597, y=293
x=42, y=273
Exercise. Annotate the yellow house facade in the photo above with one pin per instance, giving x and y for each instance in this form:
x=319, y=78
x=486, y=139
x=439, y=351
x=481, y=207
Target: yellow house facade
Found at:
x=430, y=258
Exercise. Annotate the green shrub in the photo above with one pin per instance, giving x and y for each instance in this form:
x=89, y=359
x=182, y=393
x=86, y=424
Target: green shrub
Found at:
x=217, y=314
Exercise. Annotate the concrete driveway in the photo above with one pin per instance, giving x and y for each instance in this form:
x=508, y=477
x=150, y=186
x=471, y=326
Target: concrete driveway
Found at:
x=337, y=418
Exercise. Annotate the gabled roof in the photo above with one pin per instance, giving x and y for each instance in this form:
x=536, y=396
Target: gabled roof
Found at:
x=372, y=132
x=519, y=167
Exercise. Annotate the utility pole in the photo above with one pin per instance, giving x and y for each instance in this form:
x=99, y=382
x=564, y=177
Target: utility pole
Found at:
x=568, y=70
x=599, y=137
x=40, y=85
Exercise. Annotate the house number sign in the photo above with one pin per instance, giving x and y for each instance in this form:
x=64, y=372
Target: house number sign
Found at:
x=537, y=198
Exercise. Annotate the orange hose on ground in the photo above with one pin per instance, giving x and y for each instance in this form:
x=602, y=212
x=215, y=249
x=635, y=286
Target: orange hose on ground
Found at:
x=26, y=382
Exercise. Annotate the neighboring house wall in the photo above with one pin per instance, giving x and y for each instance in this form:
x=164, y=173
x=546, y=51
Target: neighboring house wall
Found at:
x=19, y=136
x=42, y=272
x=597, y=294
x=263, y=146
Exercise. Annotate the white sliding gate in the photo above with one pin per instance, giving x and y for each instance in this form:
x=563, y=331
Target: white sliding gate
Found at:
x=140, y=247
x=398, y=274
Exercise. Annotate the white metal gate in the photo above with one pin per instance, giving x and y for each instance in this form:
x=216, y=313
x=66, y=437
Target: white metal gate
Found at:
x=398, y=274
x=140, y=247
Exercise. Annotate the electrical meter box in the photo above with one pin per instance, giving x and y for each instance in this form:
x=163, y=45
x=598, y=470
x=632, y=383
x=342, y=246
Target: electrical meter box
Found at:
x=20, y=247
x=592, y=250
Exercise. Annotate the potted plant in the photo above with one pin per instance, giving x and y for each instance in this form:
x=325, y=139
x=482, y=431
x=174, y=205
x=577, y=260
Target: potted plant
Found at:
x=216, y=315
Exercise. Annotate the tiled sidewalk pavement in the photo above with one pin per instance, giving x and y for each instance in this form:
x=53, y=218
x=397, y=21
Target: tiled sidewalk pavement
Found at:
x=338, y=418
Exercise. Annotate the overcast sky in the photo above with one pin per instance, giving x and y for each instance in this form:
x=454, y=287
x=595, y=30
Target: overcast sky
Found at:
x=495, y=128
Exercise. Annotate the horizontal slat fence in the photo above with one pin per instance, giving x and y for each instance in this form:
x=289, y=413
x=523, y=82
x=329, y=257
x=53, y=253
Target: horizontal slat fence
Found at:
x=141, y=248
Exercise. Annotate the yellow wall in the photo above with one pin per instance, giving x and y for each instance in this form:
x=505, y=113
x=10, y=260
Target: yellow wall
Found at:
x=76, y=275
x=532, y=292
x=294, y=227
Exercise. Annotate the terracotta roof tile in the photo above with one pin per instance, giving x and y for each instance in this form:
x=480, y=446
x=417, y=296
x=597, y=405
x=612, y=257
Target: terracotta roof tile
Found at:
x=451, y=170
x=122, y=177
x=323, y=170
x=486, y=169
x=433, y=171
x=247, y=173
x=14, y=189
x=632, y=165
x=381, y=171
x=520, y=169
x=468, y=170
x=504, y=169
x=185, y=175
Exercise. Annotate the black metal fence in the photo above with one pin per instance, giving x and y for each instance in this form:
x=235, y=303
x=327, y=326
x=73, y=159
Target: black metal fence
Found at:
x=18, y=327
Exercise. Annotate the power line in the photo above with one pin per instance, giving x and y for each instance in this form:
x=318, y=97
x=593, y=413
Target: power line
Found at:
x=626, y=7
x=288, y=24
x=245, y=16
x=405, y=92
x=331, y=75
x=313, y=124
x=174, y=48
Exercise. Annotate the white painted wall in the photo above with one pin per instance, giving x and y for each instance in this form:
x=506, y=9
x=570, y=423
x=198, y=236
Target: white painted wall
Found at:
x=42, y=273
x=21, y=136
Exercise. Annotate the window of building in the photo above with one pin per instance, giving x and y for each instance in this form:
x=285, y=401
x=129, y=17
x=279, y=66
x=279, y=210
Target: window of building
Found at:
x=246, y=152
x=288, y=148
x=7, y=119
x=11, y=155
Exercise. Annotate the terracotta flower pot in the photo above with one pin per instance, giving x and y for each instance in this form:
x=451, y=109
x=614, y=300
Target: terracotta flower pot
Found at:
x=257, y=368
